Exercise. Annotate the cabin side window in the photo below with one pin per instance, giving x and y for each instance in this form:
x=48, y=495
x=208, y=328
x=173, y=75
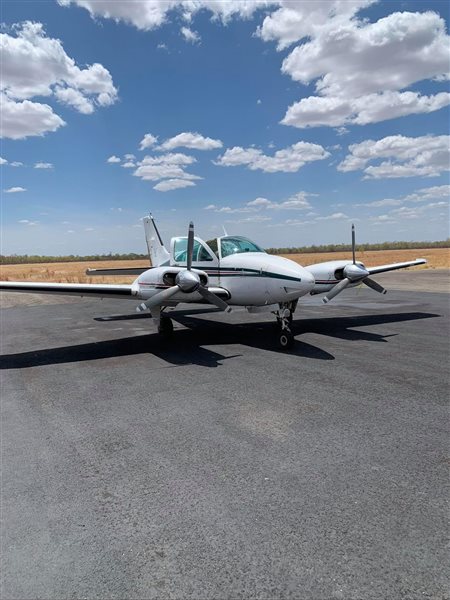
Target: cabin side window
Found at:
x=200, y=253
x=237, y=245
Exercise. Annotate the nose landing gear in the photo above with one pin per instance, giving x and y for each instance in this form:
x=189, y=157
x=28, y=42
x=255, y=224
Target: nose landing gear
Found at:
x=285, y=337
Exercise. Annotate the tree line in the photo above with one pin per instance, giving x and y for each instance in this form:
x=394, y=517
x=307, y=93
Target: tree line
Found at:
x=360, y=247
x=15, y=259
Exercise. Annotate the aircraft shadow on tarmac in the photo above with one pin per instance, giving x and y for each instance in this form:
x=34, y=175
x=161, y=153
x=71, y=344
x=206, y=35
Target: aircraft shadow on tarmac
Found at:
x=187, y=345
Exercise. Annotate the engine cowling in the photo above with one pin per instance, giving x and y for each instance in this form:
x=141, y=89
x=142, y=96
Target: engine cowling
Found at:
x=327, y=274
x=166, y=277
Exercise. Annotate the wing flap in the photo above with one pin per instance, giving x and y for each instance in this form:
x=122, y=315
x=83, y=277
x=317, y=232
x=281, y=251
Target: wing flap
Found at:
x=69, y=289
x=394, y=266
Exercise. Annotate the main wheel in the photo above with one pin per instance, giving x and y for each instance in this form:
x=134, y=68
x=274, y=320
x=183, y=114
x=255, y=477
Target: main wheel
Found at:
x=165, y=327
x=285, y=340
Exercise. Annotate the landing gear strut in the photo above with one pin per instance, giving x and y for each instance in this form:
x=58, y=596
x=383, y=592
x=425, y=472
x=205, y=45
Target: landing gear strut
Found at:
x=163, y=322
x=285, y=337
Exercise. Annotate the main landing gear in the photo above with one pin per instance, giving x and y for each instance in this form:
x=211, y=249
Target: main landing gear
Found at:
x=165, y=327
x=285, y=337
x=163, y=323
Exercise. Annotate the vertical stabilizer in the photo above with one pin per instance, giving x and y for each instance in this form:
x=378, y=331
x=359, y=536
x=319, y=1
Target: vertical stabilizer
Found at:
x=156, y=250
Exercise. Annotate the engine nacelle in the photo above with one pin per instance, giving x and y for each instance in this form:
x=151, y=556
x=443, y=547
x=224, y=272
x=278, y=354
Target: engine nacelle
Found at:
x=328, y=274
x=166, y=276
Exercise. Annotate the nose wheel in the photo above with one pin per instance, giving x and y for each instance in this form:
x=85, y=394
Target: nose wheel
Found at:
x=285, y=339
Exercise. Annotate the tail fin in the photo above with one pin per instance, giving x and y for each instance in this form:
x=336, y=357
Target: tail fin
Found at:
x=156, y=250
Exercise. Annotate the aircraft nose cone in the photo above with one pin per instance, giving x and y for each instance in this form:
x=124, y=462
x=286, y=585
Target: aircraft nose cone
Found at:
x=308, y=280
x=301, y=282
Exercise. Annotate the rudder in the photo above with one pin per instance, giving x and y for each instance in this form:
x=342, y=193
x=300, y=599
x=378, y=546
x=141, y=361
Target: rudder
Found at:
x=156, y=250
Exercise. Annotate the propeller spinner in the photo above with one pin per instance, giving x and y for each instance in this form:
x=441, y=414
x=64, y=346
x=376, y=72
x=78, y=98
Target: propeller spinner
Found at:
x=187, y=281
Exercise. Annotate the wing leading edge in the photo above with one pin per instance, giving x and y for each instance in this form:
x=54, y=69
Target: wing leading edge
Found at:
x=395, y=266
x=69, y=289
x=118, y=271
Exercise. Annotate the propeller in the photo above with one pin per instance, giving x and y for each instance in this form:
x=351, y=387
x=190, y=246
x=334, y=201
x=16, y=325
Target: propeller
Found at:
x=187, y=281
x=374, y=285
x=353, y=273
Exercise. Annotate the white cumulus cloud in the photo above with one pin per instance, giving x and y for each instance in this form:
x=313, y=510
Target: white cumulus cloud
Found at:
x=371, y=108
x=397, y=51
x=190, y=35
x=297, y=201
x=151, y=14
x=172, y=184
x=171, y=166
x=14, y=190
x=24, y=119
x=424, y=156
x=192, y=140
x=296, y=20
x=288, y=160
x=36, y=65
x=420, y=195
x=333, y=217
x=113, y=159
x=43, y=165
x=147, y=141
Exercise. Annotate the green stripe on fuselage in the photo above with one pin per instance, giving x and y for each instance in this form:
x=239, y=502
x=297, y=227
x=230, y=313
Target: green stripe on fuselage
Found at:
x=248, y=273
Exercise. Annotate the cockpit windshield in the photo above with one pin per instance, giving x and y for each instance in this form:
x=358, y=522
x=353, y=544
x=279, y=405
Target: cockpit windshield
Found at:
x=237, y=245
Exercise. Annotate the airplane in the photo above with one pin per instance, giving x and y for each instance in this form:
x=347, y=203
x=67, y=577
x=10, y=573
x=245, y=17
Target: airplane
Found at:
x=224, y=272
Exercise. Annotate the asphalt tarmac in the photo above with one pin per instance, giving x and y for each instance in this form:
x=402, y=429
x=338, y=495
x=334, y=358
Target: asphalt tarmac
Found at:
x=219, y=467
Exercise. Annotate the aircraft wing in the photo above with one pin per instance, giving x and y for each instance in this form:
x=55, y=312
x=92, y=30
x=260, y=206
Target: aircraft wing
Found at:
x=122, y=271
x=69, y=289
x=394, y=266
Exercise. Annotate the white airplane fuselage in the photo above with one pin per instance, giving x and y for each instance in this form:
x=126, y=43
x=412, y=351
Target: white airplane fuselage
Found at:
x=251, y=279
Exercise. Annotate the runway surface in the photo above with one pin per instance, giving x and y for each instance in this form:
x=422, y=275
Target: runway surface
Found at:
x=219, y=467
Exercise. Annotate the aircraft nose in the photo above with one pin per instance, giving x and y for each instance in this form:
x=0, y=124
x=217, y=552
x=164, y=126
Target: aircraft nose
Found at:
x=308, y=280
x=300, y=283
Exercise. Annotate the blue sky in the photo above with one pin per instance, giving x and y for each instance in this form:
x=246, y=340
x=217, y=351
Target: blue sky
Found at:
x=281, y=121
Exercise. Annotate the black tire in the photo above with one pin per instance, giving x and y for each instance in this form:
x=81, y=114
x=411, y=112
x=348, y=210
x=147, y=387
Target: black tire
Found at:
x=285, y=340
x=165, y=328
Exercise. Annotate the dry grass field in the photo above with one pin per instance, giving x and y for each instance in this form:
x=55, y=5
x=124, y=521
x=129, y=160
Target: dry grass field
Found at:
x=74, y=272
x=437, y=258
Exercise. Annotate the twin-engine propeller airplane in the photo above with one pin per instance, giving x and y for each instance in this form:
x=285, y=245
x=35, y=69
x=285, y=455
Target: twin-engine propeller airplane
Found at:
x=227, y=271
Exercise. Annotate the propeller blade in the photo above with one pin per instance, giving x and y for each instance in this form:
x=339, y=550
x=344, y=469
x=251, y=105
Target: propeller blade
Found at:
x=213, y=299
x=353, y=244
x=158, y=299
x=190, y=246
x=338, y=288
x=374, y=285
